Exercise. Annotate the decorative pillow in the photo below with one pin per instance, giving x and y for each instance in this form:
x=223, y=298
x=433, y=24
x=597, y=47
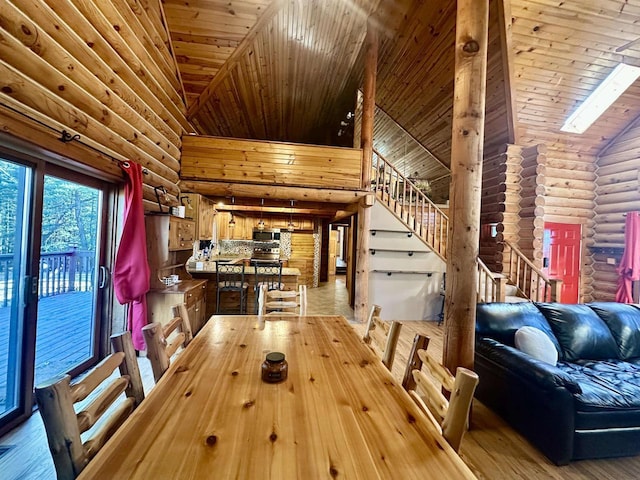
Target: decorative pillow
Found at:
x=582, y=334
x=624, y=322
x=500, y=321
x=536, y=343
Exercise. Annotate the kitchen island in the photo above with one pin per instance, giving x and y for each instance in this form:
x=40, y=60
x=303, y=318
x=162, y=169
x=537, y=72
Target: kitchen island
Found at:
x=206, y=270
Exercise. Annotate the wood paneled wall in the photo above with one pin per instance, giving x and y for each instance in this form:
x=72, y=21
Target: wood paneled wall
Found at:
x=302, y=257
x=248, y=161
x=100, y=69
x=617, y=193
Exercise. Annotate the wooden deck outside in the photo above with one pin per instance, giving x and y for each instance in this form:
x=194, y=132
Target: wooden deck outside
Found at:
x=65, y=325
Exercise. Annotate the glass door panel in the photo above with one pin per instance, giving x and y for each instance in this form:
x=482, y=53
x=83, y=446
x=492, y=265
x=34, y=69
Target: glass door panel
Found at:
x=67, y=333
x=15, y=192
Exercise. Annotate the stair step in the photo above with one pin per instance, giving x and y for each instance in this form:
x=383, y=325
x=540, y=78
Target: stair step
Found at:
x=511, y=290
x=515, y=299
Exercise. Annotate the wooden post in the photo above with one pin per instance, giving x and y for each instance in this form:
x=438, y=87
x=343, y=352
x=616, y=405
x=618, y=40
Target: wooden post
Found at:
x=466, y=181
x=121, y=342
x=368, y=103
x=156, y=353
x=361, y=303
x=366, y=143
x=63, y=434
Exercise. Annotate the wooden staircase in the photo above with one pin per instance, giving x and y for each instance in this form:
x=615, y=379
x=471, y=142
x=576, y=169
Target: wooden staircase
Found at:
x=522, y=280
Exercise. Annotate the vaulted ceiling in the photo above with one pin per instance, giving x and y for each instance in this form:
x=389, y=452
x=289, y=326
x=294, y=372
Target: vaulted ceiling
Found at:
x=289, y=69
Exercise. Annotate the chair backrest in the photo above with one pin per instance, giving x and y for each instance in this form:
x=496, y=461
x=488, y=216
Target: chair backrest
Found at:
x=56, y=399
x=268, y=273
x=230, y=276
x=383, y=335
x=163, y=342
x=420, y=342
x=283, y=302
x=450, y=416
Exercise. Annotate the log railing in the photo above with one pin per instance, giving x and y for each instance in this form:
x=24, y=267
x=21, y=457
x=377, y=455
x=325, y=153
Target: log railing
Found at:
x=409, y=204
x=529, y=280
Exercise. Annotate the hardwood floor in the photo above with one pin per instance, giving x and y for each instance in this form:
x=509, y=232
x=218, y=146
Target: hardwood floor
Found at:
x=491, y=448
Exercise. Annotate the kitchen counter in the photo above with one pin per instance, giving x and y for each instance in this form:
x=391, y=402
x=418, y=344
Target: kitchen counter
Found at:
x=210, y=267
x=208, y=272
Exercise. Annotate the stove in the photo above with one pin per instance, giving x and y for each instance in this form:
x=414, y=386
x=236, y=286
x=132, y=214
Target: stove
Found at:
x=266, y=250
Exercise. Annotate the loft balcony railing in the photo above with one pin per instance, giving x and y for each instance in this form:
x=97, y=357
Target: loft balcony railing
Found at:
x=59, y=272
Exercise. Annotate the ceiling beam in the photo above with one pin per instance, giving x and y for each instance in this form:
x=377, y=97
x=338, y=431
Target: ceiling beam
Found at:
x=238, y=190
x=318, y=212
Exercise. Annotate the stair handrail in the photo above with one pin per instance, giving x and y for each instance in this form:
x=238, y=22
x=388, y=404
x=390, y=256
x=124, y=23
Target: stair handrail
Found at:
x=435, y=232
x=489, y=288
x=532, y=282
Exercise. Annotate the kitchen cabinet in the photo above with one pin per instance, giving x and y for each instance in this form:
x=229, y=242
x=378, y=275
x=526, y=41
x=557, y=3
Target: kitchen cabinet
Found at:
x=169, y=245
x=190, y=292
x=202, y=211
x=182, y=233
x=242, y=231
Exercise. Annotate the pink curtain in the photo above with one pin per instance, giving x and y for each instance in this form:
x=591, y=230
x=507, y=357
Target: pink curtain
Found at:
x=131, y=271
x=629, y=268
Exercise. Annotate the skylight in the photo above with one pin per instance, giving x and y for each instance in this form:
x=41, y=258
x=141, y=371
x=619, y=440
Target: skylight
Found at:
x=601, y=98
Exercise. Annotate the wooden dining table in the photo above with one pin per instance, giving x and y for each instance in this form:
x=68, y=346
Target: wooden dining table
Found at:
x=339, y=413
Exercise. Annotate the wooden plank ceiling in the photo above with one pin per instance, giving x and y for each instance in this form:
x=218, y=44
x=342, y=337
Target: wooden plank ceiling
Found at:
x=289, y=70
x=562, y=50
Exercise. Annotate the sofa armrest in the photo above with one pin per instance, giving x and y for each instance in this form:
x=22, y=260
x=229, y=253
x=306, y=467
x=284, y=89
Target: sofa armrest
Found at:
x=541, y=373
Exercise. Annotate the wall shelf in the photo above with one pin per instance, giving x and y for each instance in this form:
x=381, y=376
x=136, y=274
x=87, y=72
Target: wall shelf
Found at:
x=408, y=252
x=404, y=272
x=405, y=232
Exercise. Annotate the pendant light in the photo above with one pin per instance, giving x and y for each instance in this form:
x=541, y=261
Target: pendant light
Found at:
x=261, y=222
x=232, y=222
x=290, y=226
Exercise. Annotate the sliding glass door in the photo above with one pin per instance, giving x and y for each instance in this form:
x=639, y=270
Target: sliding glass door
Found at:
x=68, y=297
x=15, y=202
x=51, y=251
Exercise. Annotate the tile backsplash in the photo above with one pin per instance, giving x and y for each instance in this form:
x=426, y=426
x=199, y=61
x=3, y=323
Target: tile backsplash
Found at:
x=236, y=247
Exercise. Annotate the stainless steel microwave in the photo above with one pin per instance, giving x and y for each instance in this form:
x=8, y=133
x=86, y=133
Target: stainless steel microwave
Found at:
x=266, y=235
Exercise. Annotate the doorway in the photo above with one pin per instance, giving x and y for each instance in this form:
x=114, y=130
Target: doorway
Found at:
x=51, y=250
x=562, y=247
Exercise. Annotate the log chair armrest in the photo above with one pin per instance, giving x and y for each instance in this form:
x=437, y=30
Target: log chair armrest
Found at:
x=543, y=374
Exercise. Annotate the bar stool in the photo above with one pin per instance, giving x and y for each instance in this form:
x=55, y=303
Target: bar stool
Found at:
x=267, y=273
x=230, y=278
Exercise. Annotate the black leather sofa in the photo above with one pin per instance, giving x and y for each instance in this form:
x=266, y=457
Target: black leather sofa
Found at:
x=588, y=404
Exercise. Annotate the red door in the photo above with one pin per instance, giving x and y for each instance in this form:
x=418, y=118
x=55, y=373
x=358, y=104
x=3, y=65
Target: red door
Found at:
x=561, y=249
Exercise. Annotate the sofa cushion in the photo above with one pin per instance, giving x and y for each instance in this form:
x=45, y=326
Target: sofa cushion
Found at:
x=610, y=385
x=536, y=343
x=624, y=322
x=582, y=334
x=500, y=321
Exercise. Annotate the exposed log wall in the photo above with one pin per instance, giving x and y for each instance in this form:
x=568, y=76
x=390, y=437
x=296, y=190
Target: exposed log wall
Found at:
x=570, y=198
x=272, y=163
x=100, y=69
x=617, y=192
x=500, y=187
x=532, y=202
